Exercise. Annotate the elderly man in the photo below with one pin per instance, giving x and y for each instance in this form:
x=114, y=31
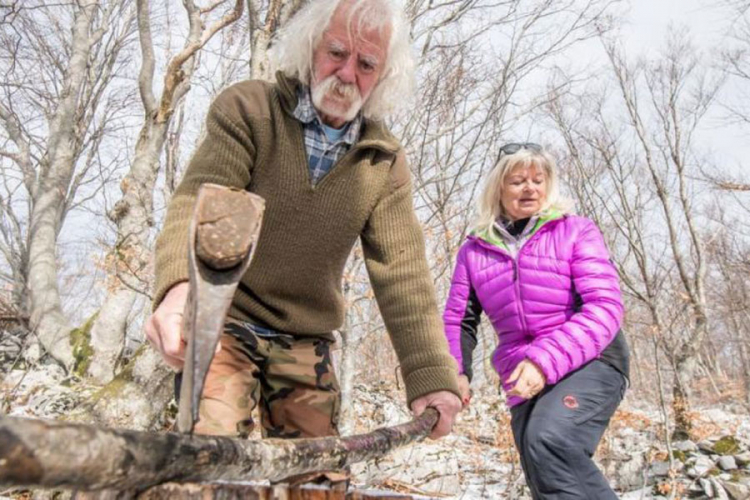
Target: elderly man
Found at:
x=313, y=146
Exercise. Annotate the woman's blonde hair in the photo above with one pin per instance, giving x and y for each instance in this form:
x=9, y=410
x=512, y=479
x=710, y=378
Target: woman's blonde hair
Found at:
x=292, y=52
x=490, y=204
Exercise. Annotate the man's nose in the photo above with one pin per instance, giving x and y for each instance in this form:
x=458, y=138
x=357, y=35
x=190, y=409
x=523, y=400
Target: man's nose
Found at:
x=347, y=72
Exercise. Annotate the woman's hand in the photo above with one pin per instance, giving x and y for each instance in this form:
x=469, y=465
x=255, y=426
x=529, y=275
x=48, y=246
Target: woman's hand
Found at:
x=528, y=378
x=465, y=390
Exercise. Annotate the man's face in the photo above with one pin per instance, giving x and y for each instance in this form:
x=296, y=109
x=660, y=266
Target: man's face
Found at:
x=346, y=67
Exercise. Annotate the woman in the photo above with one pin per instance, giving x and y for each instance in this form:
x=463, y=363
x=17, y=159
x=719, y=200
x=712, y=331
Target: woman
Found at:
x=544, y=279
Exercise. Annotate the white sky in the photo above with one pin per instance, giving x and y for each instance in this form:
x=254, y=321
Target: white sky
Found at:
x=708, y=22
x=649, y=20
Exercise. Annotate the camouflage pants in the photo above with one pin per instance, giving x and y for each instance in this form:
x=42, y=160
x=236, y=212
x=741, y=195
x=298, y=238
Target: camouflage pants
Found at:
x=289, y=378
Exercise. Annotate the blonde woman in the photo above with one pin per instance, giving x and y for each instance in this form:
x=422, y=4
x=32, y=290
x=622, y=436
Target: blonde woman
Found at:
x=543, y=277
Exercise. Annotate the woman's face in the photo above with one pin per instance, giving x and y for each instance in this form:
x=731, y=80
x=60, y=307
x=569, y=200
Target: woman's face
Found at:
x=524, y=192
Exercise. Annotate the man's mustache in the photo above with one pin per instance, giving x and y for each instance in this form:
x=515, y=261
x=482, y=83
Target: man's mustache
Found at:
x=345, y=90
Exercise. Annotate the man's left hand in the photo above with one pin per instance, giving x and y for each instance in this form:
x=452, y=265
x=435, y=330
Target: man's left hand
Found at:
x=446, y=403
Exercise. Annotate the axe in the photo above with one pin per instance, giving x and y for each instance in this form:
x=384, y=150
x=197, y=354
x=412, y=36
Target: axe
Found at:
x=223, y=235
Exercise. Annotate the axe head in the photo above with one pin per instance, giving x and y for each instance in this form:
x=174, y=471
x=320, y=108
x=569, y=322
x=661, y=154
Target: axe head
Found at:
x=223, y=236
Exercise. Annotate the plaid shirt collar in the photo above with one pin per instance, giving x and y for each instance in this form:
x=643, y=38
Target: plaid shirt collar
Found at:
x=306, y=113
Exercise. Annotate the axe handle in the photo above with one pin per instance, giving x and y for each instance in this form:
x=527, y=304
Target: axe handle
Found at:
x=223, y=235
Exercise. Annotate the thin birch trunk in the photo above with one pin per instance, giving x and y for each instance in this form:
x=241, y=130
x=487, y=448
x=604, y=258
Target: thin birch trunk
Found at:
x=133, y=213
x=260, y=36
x=49, y=198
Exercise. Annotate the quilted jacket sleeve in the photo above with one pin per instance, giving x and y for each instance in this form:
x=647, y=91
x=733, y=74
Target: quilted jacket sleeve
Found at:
x=462, y=315
x=585, y=335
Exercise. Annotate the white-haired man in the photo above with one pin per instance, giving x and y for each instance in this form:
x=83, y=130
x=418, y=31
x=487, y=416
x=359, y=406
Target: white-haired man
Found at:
x=314, y=147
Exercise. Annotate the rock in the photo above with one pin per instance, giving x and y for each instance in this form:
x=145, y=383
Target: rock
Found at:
x=707, y=487
x=637, y=494
x=701, y=466
x=727, y=445
x=686, y=446
x=627, y=459
x=718, y=490
x=706, y=446
x=434, y=474
x=743, y=458
x=627, y=474
x=659, y=469
x=737, y=491
x=727, y=463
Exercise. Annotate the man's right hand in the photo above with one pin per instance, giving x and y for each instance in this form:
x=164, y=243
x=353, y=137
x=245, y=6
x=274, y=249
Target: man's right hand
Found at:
x=164, y=326
x=464, y=387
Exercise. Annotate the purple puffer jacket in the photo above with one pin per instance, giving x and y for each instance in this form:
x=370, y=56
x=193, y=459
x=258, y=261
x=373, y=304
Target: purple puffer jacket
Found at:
x=531, y=300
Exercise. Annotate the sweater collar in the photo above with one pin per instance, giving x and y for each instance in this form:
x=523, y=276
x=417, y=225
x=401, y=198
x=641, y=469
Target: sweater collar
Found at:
x=373, y=134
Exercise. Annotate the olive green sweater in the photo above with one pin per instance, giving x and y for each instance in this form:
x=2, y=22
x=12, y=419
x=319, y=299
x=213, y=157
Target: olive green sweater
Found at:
x=294, y=282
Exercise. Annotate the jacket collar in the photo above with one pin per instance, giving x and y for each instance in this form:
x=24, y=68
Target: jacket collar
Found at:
x=374, y=133
x=491, y=236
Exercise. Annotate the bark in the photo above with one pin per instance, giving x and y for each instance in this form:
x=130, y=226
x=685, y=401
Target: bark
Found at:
x=49, y=198
x=135, y=399
x=685, y=372
x=240, y=492
x=57, y=455
x=347, y=373
x=134, y=216
x=260, y=36
x=133, y=213
x=350, y=338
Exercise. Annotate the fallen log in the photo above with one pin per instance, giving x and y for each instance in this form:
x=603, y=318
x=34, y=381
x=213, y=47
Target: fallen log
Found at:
x=37, y=453
x=170, y=491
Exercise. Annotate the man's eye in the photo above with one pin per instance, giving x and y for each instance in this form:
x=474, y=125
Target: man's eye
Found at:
x=366, y=66
x=336, y=54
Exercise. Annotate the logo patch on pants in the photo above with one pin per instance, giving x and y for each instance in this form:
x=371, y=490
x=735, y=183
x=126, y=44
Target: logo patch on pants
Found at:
x=570, y=401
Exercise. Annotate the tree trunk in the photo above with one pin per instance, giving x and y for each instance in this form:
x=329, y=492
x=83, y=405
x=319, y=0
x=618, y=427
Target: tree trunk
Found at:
x=133, y=215
x=135, y=399
x=57, y=455
x=49, y=199
x=745, y=367
x=278, y=12
x=685, y=369
x=170, y=491
x=347, y=373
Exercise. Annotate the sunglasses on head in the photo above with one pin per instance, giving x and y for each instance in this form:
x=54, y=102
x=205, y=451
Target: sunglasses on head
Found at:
x=514, y=147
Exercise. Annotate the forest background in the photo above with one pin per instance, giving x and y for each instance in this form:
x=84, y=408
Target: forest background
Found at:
x=102, y=103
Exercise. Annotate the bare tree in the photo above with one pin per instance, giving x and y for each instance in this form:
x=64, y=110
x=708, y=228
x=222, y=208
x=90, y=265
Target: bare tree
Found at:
x=735, y=61
x=133, y=213
x=266, y=17
x=633, y=154
x=56, y=98
x=729, y=295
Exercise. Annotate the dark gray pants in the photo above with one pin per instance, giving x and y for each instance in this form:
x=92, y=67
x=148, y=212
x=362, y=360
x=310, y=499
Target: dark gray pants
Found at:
x=557, y=432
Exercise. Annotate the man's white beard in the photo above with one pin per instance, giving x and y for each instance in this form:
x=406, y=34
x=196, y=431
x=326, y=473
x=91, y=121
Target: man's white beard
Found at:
x=339, y=92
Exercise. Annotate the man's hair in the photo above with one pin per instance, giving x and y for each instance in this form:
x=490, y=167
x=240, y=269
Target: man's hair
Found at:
x=293, y=50
x=490, y=205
